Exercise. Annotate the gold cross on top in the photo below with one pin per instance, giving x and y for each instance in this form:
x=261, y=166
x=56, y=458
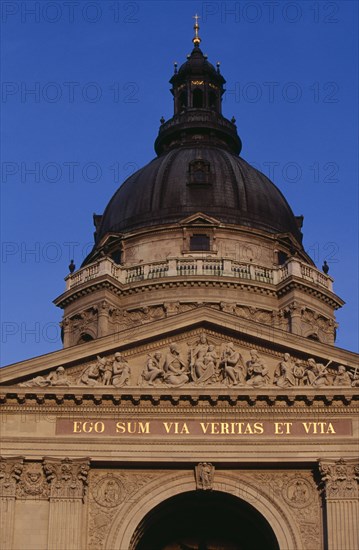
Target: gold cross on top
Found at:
x=196, y=39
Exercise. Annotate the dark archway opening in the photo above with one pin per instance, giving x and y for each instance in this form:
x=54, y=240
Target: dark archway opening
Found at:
x=85, y=337
x=204, y=520
x=314, y=337
x=213, y=100
x=182, y=101
x=197, y=98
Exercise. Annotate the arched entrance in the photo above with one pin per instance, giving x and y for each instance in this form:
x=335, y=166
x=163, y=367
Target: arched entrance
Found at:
x=204, y=520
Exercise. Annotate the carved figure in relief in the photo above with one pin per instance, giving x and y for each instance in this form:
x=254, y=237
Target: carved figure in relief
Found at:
x=209, y=366
x=55, y=378
x=207, y=370
x=232, y=365
x=355, y=382
x=107, y=373
x=175, y=368
x=58, y=378
x=204, y=475
x=153, y=370
x=121, y=371
x=299, y=373
x=257, y=371
x=316, y=373
x=202, y=360
x=283, y=374
x=299, y=494
x=110, y=492
x=343, y=377
x=92, y=375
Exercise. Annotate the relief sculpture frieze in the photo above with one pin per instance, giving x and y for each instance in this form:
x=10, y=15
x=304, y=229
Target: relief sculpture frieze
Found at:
x=198, y=362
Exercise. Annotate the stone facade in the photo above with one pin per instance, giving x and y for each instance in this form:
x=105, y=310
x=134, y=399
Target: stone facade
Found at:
x=91, y=451
x=199, y=401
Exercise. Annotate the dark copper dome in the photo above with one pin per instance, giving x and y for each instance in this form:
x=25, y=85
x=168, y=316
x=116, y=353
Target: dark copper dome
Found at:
x=193, y=179
x=197, y=169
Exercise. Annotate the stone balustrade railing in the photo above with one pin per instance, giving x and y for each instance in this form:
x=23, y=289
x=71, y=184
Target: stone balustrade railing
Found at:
x=200, y=267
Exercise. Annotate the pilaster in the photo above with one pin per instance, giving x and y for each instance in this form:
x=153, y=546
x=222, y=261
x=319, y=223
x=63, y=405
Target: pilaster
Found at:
x=340, y=485
x=10, y=472
x=68, y=480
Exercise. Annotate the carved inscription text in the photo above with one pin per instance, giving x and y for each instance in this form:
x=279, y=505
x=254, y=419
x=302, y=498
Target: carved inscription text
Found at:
x=128, y=428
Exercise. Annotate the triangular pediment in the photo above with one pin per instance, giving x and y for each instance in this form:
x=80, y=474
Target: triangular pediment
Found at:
x=203, y=348
x=200, y=219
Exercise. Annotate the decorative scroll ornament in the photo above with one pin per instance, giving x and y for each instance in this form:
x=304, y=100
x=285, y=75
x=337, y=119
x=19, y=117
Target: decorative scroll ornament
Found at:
x=67, y=478
x=204, y=472
x=107, y=493
x=340, y=478
x=300, y=494
x=10, y=473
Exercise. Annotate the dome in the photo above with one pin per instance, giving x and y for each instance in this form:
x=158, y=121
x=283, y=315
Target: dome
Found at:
x=198, y=64
x=198, y=168
x=187, y=180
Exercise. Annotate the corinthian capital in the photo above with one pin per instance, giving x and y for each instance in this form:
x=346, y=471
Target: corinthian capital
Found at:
x=10, y=473
x=67, y=478
x=339, y=478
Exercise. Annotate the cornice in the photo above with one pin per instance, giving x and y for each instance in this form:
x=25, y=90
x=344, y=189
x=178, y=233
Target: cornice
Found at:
x=106, y=282
x=300, y=398
x=325, y=296
x=109, y=283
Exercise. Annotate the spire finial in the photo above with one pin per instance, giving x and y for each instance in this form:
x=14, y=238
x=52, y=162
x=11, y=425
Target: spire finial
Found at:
x=196, y=39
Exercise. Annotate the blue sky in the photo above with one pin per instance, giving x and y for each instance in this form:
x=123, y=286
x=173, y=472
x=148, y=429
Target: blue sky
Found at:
x=84, y=85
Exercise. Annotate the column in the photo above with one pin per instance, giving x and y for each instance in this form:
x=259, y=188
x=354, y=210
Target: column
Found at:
x=66, y=328
x=295, y=318
x=102, y=322
x=68, y=480
x=340, y=484
x=10, y=472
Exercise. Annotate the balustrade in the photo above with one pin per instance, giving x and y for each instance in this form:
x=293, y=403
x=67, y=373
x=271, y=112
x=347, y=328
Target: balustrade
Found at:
x=207, y=267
